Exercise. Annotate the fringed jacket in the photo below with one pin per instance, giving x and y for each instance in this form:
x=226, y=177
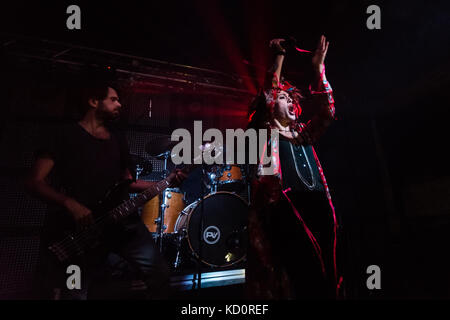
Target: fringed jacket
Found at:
x=267, y=189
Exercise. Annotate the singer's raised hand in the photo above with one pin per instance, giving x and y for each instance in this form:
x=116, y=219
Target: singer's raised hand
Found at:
x=276, y=44
x=320, y=54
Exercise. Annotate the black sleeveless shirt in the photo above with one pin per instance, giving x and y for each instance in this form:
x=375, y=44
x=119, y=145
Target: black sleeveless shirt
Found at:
x=298, y=168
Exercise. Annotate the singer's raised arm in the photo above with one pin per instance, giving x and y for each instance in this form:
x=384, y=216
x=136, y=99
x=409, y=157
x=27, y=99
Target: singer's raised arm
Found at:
x=322, y=99
x=273, y=75
x=262, y=110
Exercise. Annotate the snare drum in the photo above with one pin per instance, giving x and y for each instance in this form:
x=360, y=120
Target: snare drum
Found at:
x=224, y=234
x=173, y=203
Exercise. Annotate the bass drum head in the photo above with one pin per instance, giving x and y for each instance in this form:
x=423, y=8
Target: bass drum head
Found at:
x=224, y=236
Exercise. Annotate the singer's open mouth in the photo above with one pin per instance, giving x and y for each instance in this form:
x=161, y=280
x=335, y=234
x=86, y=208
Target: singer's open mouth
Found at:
x=291, y=110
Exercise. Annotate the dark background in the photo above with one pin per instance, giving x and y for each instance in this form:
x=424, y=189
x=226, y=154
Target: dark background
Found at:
x=385, y=158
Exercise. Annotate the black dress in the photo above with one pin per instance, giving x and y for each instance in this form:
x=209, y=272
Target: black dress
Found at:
x=295, y=268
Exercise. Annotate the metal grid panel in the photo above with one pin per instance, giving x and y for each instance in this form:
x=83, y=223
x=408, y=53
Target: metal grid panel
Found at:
x=17, y=208
x=18, y=140
x=19, y=256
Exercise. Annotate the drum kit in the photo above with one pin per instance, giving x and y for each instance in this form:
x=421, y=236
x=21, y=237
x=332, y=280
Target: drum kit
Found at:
x=210, y=230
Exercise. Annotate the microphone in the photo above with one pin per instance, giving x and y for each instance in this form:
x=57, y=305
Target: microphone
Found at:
x=291, y=44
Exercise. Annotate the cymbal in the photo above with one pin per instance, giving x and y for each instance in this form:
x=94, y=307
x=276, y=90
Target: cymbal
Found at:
x=159, y=145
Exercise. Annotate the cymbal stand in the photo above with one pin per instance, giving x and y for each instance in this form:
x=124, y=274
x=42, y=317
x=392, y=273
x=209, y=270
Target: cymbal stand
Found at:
x=139, y=170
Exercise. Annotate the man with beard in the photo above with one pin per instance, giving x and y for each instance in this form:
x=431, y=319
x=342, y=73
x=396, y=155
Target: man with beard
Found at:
x=85, y=159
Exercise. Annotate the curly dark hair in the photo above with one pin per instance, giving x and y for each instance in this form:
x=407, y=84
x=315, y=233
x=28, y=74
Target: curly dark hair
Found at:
x=261, y=109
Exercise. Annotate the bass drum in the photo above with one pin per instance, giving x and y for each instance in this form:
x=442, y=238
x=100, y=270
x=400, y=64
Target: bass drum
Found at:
x=224, y=235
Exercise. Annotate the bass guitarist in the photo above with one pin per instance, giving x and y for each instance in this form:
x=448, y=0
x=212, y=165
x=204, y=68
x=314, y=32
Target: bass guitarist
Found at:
x=84, y=160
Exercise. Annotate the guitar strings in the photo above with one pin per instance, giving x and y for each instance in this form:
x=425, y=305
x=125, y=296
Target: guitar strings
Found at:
x=83, y=236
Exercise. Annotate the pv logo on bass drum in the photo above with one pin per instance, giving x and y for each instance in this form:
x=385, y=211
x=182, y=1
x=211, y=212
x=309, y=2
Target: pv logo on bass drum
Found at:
x=211, y=235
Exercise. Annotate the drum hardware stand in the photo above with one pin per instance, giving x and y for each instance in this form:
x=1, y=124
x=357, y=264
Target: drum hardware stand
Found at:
x=247, y=182
x=179, y=238
x=160, y=220
x=176, y=264
x=139, y=170
x=213, y=182
x=199, y=258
